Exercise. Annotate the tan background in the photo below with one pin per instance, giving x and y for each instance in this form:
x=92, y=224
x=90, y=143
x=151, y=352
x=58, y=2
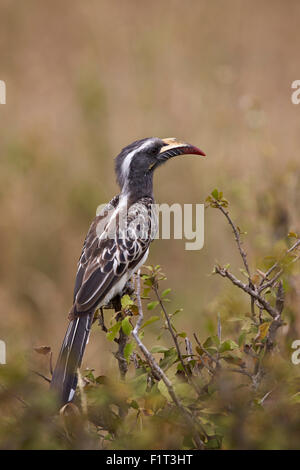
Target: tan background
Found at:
x=84, y=79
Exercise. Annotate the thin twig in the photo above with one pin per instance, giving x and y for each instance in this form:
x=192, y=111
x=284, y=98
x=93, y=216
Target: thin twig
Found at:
x=275, y=265
x=205, y=350
x=41, y=375
x=236, y=237
x=189, y=351
x=239, y=371
x=158, y=371
x=246, y=288
x=170, y=328
x=174, y=337
x=50, y=364
x=271, y=282
x=14, y=396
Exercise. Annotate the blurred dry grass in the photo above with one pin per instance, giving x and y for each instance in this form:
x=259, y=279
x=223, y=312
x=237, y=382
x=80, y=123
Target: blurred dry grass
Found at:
x=86, y=78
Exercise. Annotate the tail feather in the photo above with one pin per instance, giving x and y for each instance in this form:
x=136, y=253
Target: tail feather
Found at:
x=64, y=379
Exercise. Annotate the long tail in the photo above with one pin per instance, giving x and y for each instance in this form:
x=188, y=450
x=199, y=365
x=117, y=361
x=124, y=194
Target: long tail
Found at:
x=64, y=379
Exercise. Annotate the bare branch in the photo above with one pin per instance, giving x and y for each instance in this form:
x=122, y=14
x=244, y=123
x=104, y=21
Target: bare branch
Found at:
x=246, y=288
x=275, y=265
x=280, y=298
x=270, y=283
x=189, y=349
x=237, y=236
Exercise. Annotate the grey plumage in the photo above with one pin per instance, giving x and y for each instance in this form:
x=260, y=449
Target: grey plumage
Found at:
x=116, y=244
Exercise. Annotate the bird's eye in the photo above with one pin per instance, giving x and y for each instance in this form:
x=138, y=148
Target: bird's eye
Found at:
x=153, y=150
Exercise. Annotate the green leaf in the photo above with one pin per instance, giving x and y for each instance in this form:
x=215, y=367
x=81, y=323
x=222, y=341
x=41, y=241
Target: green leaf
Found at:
x=145, y=276
x=113, y=331
x=150, y=267
x=182, y=335
x=215, y=194
x=126, y=326
x=228, y=345
x=126, y=301
x=152, y=305
x=89, y=374
x=134, y=404
x=242, y=338
x=185, y=392
x=163, y=390
x=151, y=320
x=214, y=442
x=128, y=350
x=233, y=359
x=199, y=350
x=165, y=292
x=208, y=343
x=170, y=356
x=179, y=310
x=139, y=384
x=216, y=340
x=146, y=292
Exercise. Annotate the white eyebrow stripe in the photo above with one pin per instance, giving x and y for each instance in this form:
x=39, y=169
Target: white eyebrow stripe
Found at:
x=129, y=157
x=126, y=163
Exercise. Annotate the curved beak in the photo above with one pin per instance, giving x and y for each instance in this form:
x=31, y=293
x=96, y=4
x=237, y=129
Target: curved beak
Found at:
x=174, y=147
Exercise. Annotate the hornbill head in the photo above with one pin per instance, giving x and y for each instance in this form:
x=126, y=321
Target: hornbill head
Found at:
x=137, y=161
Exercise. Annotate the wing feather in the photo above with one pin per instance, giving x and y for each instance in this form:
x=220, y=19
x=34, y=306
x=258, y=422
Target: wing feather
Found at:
x=105, y=259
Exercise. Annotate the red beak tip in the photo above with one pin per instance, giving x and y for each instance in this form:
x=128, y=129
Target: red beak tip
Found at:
x=200, y=152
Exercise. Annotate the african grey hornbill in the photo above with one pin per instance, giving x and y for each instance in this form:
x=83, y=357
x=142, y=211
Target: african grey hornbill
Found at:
x=116, y=245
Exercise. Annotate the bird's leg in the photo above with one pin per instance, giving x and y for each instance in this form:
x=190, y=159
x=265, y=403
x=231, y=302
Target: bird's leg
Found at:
x=128, y=288
x=116, y=304
x=101, y=320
